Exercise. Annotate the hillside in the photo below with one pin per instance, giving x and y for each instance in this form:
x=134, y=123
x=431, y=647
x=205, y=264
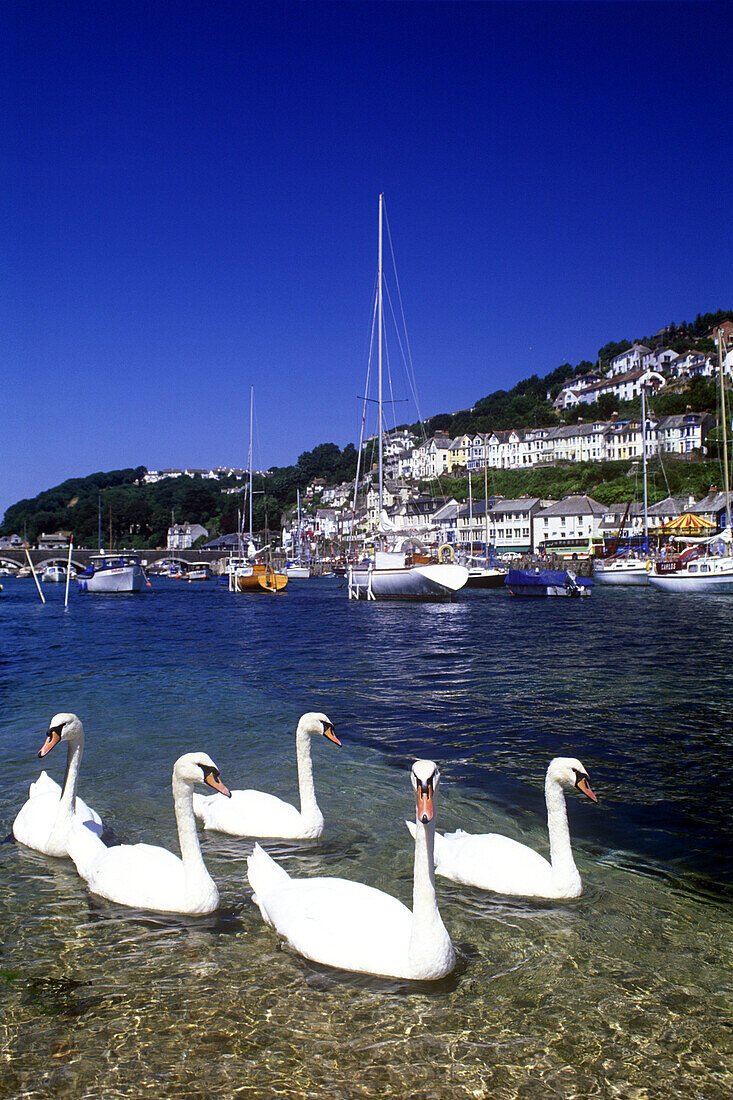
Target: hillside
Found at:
x=140, y=513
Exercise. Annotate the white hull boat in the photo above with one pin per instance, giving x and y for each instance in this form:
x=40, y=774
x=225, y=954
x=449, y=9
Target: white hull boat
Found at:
x=389, y=577
x=53, y=574
x=701, y=575
x=112, y=574
x=298, y=572
x=628, y=571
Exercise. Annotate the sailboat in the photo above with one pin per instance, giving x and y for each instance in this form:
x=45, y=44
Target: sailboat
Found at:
x=483, y=575
x=394, y=572
x=298, y=569
x=255, y=572
x=629, y=569
x=708, y=566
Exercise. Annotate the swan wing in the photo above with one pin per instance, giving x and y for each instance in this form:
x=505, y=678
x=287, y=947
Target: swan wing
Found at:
x=142, y=876
x=493, y=862
x=250, y=813
x=334, y=921
x=343, y=924
x=44, y=785
x=36, y=818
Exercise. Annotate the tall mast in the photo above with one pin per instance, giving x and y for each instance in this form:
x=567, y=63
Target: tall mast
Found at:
x=486, y=502
x=725, y=427
x=251, y=408
x=643, y=465
x=379, y=328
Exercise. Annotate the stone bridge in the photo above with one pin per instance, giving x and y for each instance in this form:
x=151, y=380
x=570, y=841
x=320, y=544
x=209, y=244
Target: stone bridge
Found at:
x=80, y=558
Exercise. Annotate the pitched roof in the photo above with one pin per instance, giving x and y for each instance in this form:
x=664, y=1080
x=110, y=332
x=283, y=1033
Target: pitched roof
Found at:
x=575, y=506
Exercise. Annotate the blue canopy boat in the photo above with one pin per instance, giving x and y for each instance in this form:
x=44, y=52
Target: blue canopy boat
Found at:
x=547, y=582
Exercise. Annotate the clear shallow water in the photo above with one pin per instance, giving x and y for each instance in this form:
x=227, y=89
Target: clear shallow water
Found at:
x=623, y=992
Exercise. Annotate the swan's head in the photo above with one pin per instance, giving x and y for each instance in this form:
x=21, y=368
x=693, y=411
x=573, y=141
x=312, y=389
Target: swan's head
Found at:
x=425, y=778
x=315, y=724
x=62, y=727
x=197, y=767
x=569, y=772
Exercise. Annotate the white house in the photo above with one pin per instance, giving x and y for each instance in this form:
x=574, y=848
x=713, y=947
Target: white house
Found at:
x=628, y=360
x=567, y=525
x=182, y=536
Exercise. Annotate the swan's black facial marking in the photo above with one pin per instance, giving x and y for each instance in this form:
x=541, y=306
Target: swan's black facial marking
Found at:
x=330, y=733
x=52, y=738
x=583, y=785
x=424, y=791
x=212, y=779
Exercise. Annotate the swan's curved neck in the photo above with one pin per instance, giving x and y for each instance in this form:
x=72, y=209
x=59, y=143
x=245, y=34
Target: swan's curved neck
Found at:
x=428, y=938
x=188, y=836
x=561, y=852
x=67, y=802
x=309, y=809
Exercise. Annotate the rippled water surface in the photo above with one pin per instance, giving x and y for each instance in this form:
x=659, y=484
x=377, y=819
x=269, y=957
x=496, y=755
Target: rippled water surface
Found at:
x=624, y=992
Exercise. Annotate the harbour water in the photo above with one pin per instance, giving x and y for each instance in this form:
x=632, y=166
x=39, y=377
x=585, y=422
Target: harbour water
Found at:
x=624, y=992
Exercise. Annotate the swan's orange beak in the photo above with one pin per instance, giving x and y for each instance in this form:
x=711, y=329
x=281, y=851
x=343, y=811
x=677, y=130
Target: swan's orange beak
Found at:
x=52, y=738
x=328, y=732
x=215, y=782
x=584, y=786
x=424, y=799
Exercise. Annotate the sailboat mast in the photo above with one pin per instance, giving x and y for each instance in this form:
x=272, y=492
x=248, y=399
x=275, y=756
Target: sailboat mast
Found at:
x=486, y=503
x=643, y=465
x=380, y=271
x=725, y=427
x=251, y=409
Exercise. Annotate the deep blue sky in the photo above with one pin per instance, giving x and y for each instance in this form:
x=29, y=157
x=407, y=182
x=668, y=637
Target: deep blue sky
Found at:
x=188, y=202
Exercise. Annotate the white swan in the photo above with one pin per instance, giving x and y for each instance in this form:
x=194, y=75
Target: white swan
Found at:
x=255, y=813
x=147, y=877
x=356, y=927
x=495, y=862
x=45, y=819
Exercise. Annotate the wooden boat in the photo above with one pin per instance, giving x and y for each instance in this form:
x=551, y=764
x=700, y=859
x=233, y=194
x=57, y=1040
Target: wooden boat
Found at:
x=257, y=577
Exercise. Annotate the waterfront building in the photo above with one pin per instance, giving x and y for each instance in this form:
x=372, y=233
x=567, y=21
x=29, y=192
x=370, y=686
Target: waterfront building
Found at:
x=182, y=536
x=568, y=525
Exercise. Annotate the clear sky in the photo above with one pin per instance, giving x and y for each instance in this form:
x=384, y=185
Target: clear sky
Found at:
x=188, y=203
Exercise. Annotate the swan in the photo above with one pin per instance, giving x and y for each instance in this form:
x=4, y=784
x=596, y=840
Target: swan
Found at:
x=145, y=876
x=255, y=813
x=44, y=821
x=494, y=862
x=356, y=927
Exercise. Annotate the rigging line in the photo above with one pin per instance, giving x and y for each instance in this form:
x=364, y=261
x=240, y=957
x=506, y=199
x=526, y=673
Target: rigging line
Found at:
x=408, y=375
x=409, y=360
x=370, y=358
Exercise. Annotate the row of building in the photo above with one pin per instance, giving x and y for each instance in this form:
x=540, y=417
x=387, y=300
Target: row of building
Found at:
x=528, y=525
x=637, y=368
x=525, y=448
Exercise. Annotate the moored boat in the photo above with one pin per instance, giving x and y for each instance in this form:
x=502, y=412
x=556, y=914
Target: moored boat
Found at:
x=54, y=574
x=392, y=575
x=112, y=573
x=628, y=570
x=547, y=582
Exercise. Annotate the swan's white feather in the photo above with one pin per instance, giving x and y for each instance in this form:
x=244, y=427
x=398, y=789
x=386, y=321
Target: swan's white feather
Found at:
x=249, y=813
x=259, y=814
x=145, y=876
x=352, y=926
